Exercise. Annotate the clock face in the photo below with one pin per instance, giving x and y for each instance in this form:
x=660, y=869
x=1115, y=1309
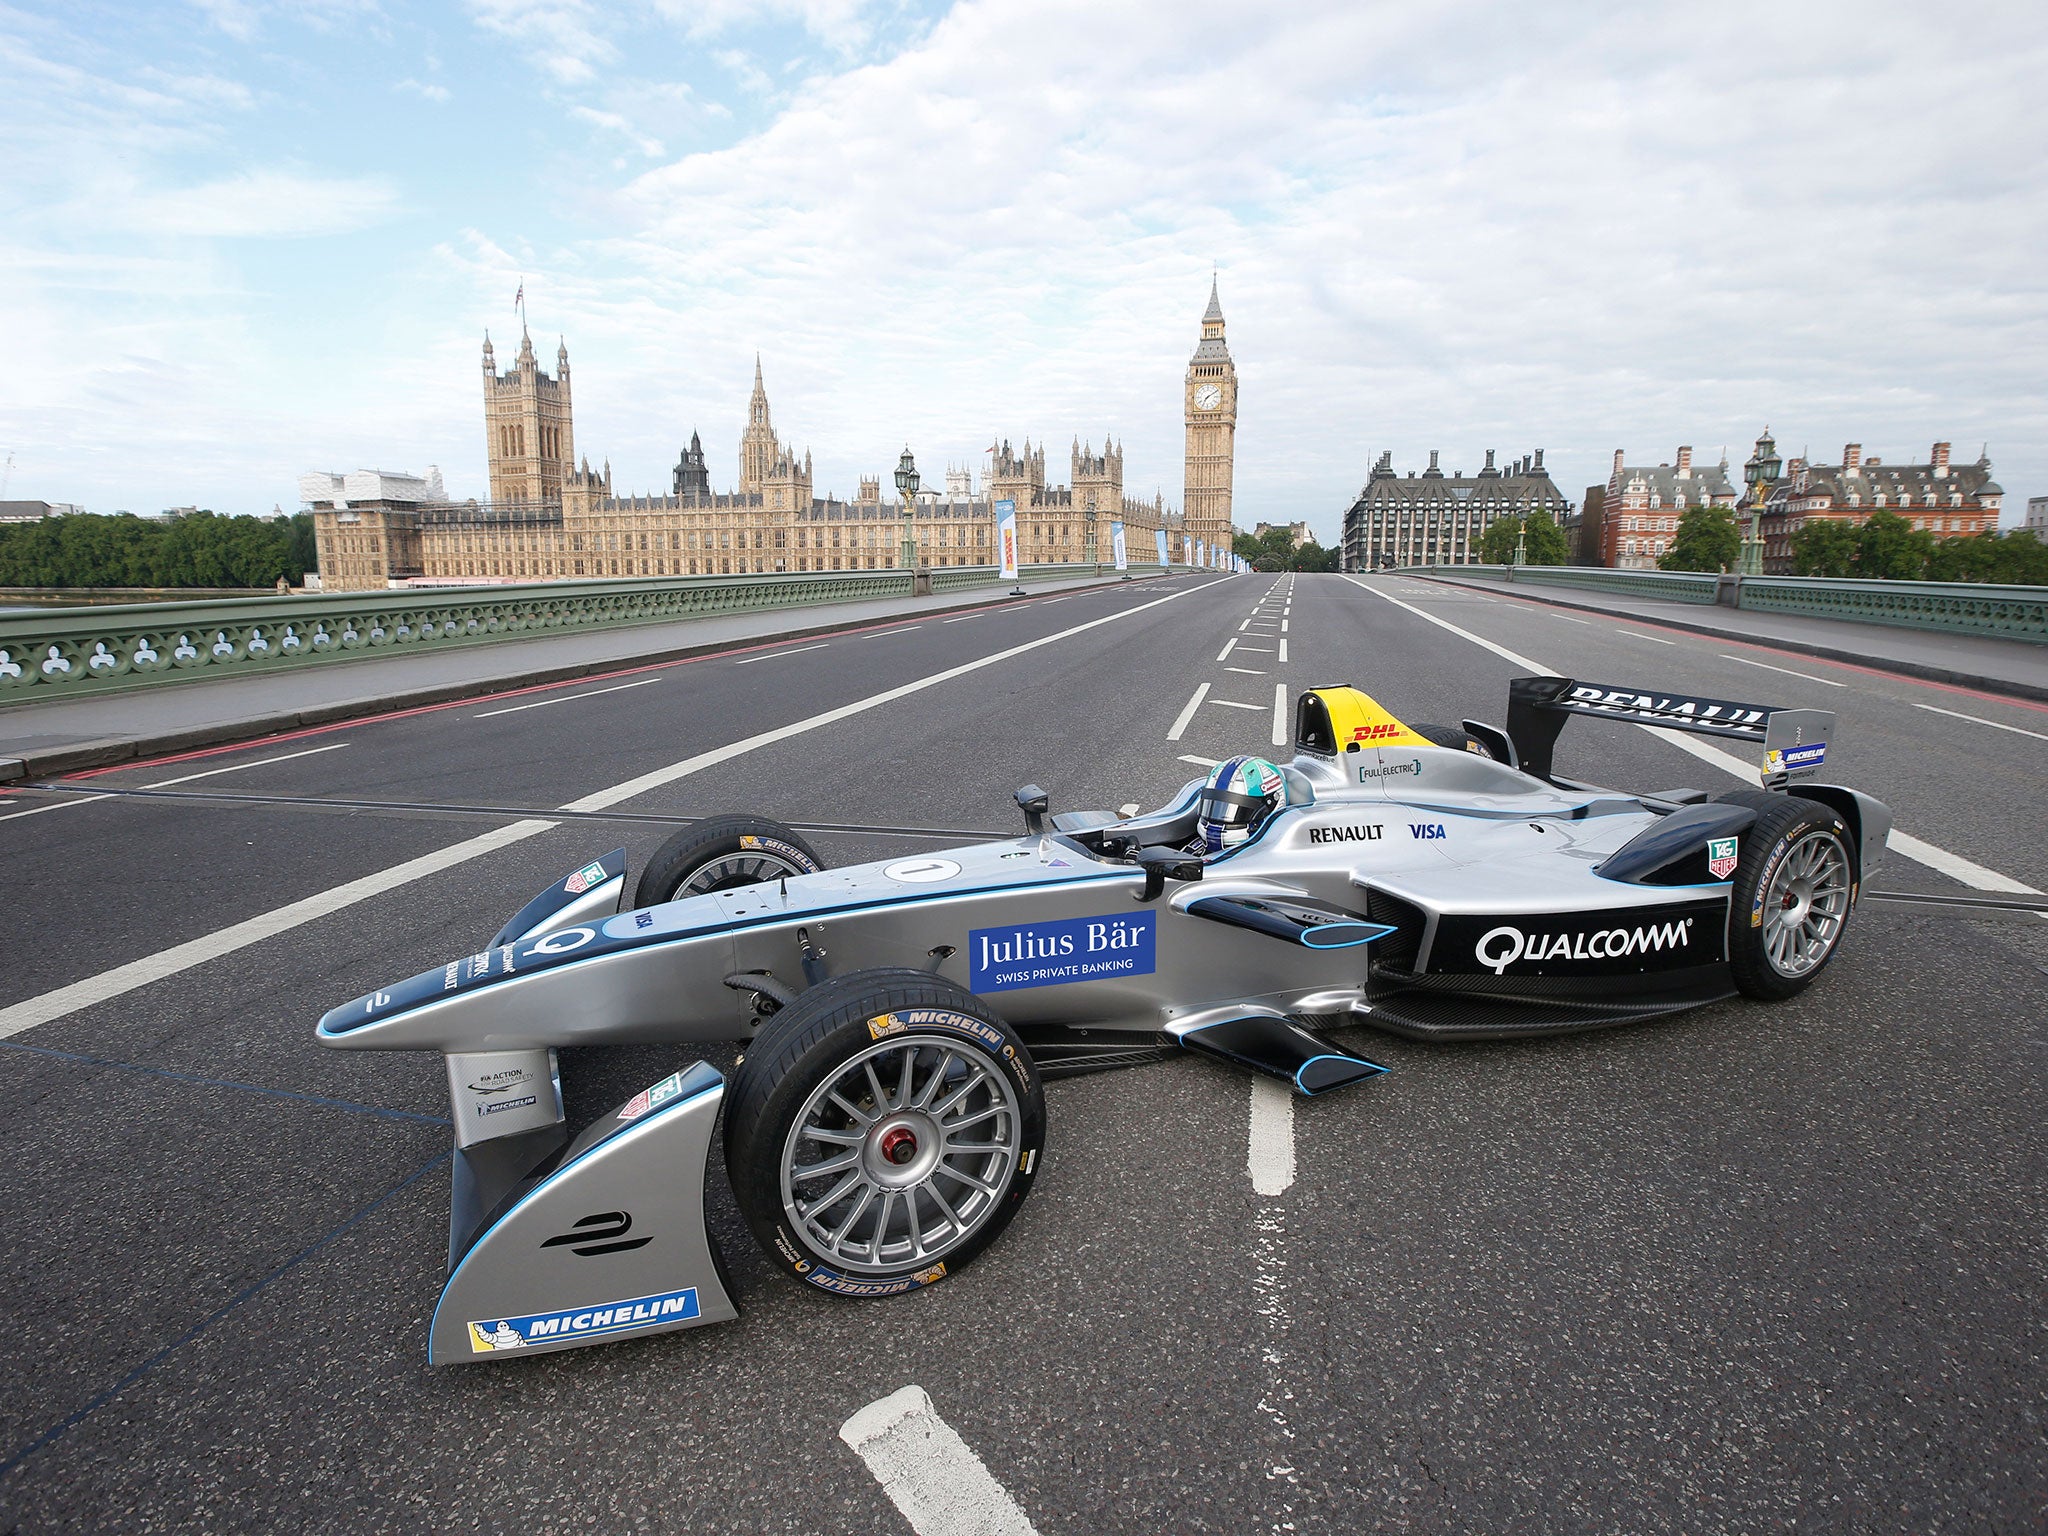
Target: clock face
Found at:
x=1208, y=397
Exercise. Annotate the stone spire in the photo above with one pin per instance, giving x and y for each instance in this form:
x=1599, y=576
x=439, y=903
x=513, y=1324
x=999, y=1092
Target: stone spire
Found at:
x=1215, y=309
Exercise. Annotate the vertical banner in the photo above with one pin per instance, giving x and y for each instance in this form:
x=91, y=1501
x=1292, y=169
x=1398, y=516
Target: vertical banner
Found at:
x=1160, y=535
x=1006, y=536
x=1198, y=561
x=1116, y=543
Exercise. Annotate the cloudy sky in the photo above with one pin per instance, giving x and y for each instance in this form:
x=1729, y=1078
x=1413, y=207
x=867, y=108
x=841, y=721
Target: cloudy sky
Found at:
x=240, y=239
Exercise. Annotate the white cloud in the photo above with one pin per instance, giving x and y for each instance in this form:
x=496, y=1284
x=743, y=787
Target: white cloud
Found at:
x=257, y=203
x=429, y=91
x=612, y=122
x=563, y=37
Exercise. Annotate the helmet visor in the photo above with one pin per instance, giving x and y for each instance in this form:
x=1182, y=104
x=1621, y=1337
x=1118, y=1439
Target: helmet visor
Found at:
x=1231, y=808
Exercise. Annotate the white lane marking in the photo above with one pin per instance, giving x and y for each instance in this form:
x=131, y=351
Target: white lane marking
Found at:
x=1283, y=650
x=283, y=757
x=567, y=698
x=964, y=618
x=136, y=973
x=1284, y=623
x=881, y=634
x=1199, y=762
x=1653, y=639
x=1830, y=682
x=1263, y=650
x=1954, y=865
x=1279, y=714
x=771, y=656
x=1128, y=808
x=1187, y=713
x=180, y=957
x=1570, y=620
x=1233, y=704
x=1247, y=671
x=1269, y=1156
x=940, y=1486
x=1954, y=714
x=1228, y=647
x=1241, y=628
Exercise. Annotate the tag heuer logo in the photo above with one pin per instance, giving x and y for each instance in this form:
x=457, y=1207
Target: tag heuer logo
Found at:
x=1721, y=857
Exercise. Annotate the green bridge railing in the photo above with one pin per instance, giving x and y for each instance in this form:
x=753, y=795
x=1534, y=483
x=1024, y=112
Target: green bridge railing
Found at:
x=60, y=652
x=1955, y=607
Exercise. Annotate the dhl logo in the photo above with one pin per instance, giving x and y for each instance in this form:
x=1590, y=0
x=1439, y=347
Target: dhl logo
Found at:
x=1379, y=732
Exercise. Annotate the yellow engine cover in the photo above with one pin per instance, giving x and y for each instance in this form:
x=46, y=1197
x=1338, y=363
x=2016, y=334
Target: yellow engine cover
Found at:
x=1358, y=718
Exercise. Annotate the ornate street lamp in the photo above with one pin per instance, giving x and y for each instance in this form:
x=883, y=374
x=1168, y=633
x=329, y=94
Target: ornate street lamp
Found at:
x=906, y=487
x=1762, y=473
x=1089, y=554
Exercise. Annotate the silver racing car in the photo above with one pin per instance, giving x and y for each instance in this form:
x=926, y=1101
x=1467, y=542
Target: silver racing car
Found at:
x=899, y=1018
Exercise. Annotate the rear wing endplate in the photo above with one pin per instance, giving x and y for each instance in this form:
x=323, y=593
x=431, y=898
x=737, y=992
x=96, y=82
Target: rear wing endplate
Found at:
x=1793, y=742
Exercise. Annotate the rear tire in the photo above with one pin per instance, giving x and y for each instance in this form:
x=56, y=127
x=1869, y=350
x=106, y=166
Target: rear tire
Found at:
x=1790, y=902
x=882, y=1131
x=1453, y=736
x=721, y=852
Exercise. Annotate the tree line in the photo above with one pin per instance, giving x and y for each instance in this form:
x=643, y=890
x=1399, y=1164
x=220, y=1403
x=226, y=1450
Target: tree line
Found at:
x=1274, y=550
x=194, y=549
x=1884, y=546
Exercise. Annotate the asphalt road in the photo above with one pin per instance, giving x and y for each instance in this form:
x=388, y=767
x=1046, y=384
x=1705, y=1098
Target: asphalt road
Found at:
x=1754, y=1269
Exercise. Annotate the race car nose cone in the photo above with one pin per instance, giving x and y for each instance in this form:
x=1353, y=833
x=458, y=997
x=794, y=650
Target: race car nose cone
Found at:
x=899, y=1146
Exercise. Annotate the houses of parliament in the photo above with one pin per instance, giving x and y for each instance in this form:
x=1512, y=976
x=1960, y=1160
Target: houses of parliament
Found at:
x=552, y=516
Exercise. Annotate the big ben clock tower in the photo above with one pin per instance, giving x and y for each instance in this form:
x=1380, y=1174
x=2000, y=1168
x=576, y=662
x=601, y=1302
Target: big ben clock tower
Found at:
x=1212, y=432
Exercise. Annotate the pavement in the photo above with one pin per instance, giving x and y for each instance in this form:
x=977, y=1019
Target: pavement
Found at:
x=1757, y=1268
x=58, y=735
x=2016, y=667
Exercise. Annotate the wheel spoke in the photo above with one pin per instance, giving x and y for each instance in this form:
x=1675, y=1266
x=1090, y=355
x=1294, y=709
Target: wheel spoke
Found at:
x=832, y=1197
x=857, y=1116
x=964, y=1121
x=933, y=1083
x=837, y=1164
x=867, y=1198
x=837, y=1138
x=905, y=1082
x=956, y=1146
x=978, y=1077
x=882, y=1101
x=916, y=1230
x=966, y=1178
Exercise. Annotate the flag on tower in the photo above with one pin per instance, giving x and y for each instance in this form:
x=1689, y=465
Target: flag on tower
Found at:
x=519, y=298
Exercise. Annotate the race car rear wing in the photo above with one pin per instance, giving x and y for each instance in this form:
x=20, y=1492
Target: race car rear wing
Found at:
x=1794, y=741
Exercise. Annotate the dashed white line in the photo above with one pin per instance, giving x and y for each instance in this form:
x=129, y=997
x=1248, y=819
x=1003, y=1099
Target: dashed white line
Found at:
x=187, y=778
x=1284, y=623
x=964, y=618
x=1187, y=713
x=1279, y=714
x=1233, y=704
x=1653, y=639
x=1228, y=647
x=1269, y=1156
x=1283, y=650
x=1247, y=671
x=1830, y=682
x=1953, y=714
x=571, y=698
x=1199, y=762
x=747, y=661
x=1570, y=620
x=940, y=1486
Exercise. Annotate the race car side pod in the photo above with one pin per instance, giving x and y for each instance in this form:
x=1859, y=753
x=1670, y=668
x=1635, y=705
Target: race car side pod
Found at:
x=1273, y=1043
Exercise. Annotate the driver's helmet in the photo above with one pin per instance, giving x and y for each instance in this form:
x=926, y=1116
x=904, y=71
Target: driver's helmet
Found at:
x=1237, y=799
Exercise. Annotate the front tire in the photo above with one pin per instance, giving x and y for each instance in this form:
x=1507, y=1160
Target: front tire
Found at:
x=721, y=852
x=883, y=1130
x=1791, y=896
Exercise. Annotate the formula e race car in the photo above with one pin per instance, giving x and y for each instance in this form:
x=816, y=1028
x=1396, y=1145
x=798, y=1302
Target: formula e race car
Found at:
x=887, y=1117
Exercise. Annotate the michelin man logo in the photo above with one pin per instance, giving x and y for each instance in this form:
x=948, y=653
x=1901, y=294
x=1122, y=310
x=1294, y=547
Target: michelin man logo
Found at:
x=498, y=1335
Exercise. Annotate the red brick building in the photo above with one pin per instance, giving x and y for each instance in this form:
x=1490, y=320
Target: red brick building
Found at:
x=1640, y=512
x=1945, y=499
